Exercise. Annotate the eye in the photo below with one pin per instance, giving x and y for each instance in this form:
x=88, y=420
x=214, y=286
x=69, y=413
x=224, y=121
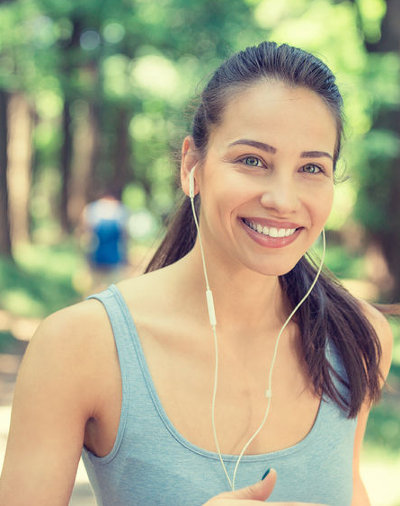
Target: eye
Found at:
x=252, y=161
x=311, y=168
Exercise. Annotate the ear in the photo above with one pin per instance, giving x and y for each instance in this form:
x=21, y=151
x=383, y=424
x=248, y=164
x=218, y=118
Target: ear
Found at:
x=189, y=158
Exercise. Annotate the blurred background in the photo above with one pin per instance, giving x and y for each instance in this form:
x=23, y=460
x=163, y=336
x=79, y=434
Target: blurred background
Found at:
x=95, y=98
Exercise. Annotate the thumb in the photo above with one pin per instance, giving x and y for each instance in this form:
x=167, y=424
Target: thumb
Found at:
x=257, y=491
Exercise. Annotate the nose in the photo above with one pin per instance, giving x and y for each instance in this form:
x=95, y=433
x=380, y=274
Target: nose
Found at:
x=280, y=194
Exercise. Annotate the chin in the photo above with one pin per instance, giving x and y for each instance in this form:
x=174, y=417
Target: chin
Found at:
x=274, y=270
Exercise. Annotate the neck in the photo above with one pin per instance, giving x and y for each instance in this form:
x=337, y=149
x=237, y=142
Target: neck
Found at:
x=242, y=298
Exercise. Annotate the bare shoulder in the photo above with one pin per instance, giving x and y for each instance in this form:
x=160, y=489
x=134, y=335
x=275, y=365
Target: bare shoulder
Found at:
x=87, y=311
x=76, y=329
x=383, y=330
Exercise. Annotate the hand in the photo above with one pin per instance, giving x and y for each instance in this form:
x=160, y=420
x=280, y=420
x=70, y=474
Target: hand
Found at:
x=253, y=495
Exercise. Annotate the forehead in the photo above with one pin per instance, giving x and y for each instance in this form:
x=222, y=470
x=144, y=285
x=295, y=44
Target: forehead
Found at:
x=293, y=118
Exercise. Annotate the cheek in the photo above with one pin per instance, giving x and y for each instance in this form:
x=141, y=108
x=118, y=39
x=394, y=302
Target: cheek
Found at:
x=322, y=205
x=230, y=193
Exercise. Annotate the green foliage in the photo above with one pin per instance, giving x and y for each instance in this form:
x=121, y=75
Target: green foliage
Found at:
x=41, y=280
x=384, y=425
x=344, y=265
x=6, y=338
x=383, y=429
x=147, y=58
x=379, y=148
x=371, y=14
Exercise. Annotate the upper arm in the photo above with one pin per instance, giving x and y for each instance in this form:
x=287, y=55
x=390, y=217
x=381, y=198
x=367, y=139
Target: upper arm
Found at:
x=385, y=335
x=53, y=400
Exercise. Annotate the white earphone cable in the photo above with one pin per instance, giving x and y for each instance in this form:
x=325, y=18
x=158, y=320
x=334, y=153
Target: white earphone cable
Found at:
x=268, y=391
x=211, y=314
x=213, y=322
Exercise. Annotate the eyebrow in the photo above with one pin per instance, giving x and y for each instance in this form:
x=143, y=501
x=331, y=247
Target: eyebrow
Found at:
x=271, y=149
x=255, y=144
x=315, y=154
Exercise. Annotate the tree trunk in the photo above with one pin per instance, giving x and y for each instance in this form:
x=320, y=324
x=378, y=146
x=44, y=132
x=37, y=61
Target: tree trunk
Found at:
x=69, y=51
x=65, y=166
x=19, y=166
x=85, y=140
x=5, y=236
x=94, y=187
x=122, y=173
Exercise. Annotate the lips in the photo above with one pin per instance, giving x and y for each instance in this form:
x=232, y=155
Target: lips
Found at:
x=271, y=233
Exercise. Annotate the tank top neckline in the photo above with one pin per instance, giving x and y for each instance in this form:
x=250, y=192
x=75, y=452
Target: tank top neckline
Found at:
x=307, y=439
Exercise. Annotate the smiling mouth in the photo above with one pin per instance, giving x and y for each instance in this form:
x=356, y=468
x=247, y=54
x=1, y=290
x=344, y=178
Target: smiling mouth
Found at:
x=269, y=231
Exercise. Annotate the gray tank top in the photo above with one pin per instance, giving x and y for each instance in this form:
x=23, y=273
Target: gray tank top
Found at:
x=152, y=464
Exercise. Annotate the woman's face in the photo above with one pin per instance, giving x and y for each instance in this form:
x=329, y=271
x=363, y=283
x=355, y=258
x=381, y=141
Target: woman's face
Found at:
x=266, y=183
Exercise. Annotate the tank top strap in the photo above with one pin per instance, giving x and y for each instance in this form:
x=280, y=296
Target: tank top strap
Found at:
x=339, y=377
x=121, y=324
x=124, y=337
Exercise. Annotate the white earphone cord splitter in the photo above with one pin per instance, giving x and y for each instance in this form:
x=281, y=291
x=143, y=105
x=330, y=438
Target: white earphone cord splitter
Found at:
x=213, y=322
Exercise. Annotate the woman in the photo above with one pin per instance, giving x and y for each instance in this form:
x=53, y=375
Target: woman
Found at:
x=138, y=396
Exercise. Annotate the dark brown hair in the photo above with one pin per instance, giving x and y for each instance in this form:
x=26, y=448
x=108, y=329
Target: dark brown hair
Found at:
x=330, y=311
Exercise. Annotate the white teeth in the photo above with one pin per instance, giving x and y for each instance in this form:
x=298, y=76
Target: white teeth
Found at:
x=271, y=231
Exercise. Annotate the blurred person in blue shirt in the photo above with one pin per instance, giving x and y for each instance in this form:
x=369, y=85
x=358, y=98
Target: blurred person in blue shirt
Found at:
x=105, y=224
